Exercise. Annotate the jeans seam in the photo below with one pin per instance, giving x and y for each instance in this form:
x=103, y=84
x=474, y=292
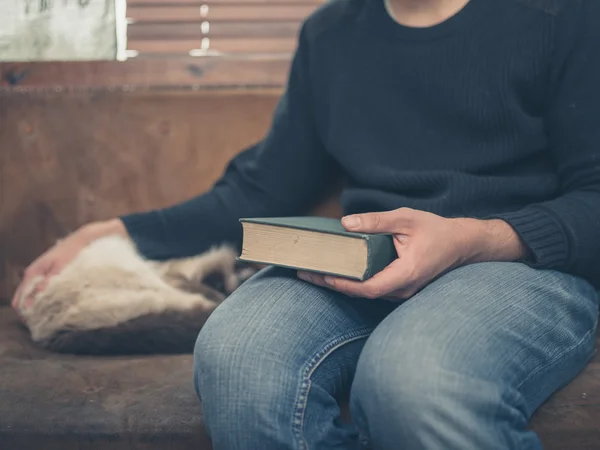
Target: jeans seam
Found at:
x=557, y=358
x=302, y=395
x=560, y=356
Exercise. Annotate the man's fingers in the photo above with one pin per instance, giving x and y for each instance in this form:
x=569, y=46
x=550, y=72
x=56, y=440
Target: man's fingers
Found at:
x=399, y=295
x=28, y=275
x=397, y=221
x=39, y=287
x=319, y=280
x=54, y=269
x=30, y=286
x=313, y=278
x=395, y=281
x=17, y=295
x=42, y=284
x=394, y=277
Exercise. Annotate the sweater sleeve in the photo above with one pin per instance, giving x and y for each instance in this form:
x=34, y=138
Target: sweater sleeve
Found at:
x=282, y=175
x=562, y=233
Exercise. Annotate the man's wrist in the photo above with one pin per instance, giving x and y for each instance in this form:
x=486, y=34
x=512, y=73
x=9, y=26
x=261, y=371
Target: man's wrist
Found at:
x=97, y=230
x=490, y=240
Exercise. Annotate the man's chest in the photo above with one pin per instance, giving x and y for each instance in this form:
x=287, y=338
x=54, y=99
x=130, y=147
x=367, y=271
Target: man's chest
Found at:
x=416, y=103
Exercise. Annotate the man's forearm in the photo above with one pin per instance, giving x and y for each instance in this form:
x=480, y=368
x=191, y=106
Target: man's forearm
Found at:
x=96, y=230
x=490, y=240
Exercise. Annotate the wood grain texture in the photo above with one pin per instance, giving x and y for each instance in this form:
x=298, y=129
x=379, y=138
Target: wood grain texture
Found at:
x=177, y=13
x=226, y=2
x=204, y=72
x=138, y=31
x=181, y=27
x=68, y=159
x=569, y=419
x=220, y=45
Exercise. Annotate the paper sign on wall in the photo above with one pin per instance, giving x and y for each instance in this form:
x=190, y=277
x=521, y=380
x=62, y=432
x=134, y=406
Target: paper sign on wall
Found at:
x=57, y=30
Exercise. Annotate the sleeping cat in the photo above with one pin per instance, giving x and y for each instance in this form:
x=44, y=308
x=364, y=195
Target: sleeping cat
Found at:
x=110, y=300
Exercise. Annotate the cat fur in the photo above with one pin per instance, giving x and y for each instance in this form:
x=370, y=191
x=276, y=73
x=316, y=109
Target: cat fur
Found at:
x=110, y=300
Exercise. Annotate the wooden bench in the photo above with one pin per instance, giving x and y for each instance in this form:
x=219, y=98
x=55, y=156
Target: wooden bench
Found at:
x=97, y=150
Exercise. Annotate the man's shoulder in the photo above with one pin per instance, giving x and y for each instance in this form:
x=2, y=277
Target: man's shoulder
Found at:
x=333, y=15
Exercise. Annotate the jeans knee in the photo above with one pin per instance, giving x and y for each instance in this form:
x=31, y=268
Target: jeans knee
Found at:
x=246, y=389
x=233, y=362
x=247, y=362
x=409, y=389
x=417, y=390
x=399, y=386
x=210, y=355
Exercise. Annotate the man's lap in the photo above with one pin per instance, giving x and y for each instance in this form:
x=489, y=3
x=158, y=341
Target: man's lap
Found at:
x=483, y=302
x=498, y=338
x=492, y=323
x=510, y=318
x=274, y=314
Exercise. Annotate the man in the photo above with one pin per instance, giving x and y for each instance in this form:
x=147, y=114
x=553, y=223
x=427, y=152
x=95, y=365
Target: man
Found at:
x=469, y=130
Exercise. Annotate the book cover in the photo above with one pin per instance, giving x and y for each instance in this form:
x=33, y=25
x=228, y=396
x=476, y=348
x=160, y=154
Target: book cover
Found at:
x=380, y=247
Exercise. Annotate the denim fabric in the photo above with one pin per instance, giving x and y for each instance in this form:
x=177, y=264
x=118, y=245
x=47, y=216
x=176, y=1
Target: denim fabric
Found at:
x=461, y=365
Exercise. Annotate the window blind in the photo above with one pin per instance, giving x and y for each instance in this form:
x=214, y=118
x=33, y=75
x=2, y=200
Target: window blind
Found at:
x=183, y=28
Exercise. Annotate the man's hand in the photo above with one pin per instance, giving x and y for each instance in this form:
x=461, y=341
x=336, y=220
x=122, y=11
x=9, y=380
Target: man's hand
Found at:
x=428, y=246
x=56, y=258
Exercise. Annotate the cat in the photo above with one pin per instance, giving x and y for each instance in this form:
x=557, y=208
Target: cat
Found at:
x=110, y=300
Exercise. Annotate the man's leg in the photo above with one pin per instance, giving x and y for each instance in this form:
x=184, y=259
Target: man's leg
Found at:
x=272, y=359
x=465, y=363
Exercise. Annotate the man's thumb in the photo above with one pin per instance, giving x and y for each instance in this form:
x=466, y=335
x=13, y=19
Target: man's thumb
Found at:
x=366, y=223
x=382, y=222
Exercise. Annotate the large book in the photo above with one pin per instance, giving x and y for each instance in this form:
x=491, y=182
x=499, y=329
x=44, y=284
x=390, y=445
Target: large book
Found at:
x=315, y=244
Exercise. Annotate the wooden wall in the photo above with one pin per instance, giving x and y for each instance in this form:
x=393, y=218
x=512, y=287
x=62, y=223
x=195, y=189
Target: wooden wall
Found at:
x=72, y=157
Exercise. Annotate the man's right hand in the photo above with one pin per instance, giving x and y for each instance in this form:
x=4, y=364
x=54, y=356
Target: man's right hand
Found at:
x=57, y=257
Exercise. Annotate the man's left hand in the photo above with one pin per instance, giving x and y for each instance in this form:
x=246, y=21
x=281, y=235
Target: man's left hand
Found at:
x=428, y=246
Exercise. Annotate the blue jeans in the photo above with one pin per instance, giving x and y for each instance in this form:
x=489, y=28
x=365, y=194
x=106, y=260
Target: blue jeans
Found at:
x=462, y=365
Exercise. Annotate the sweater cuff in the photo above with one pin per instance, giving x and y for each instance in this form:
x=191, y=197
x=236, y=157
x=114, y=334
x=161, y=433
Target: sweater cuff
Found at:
x=148, y=232
x=542, y=234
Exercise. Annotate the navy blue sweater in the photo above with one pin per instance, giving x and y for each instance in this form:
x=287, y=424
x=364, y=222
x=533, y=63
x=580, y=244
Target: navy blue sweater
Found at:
x=494, y=113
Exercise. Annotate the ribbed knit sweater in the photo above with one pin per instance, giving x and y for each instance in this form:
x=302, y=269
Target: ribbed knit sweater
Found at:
x=494, y=113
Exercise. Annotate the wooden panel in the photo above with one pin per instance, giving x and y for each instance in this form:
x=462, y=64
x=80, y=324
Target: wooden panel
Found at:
x=138, y=31
x=221, y=45
x=569, y=419
x=213, y=72
x=226, y=2
x=218, y=12
x=73, y=158
x=166, y=28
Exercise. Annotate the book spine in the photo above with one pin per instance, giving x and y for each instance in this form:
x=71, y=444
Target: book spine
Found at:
x=380, y=253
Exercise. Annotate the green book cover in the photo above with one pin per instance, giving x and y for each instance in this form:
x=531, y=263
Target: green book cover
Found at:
x=380, y=247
